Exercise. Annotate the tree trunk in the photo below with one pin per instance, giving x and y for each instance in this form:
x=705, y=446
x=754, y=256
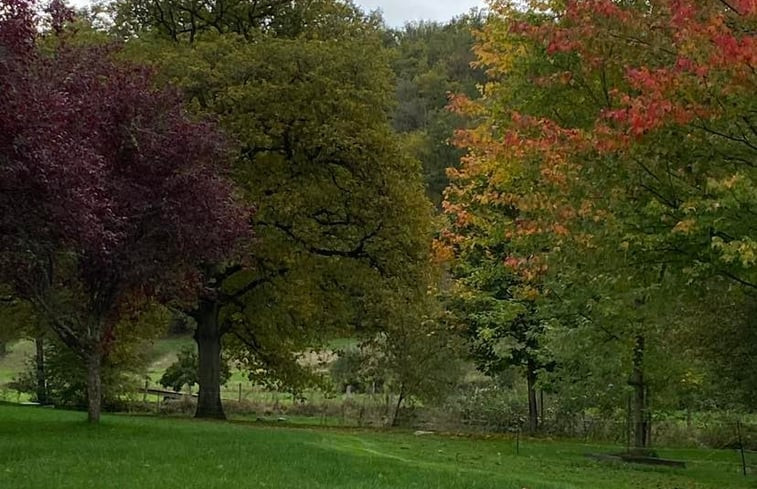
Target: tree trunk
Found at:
x=94, y=386
x=400, y=398
x=39, y=370
x=541, y=407
x=638, y=404
x=533, y=408
x=208, y=337
x=647, y=416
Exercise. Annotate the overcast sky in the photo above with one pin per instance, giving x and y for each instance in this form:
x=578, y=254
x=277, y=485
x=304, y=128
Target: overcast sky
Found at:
x=397, y=12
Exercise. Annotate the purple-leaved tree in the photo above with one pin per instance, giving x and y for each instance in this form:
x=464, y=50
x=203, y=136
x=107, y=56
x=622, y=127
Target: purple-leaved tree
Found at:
x=110, y=194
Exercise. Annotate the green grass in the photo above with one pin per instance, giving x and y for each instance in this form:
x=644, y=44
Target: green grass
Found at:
x=163, y=353
x=45, y=448
x=342, y=343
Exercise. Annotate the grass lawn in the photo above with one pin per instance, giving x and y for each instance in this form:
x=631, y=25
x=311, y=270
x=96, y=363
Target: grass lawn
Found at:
x=45, y=448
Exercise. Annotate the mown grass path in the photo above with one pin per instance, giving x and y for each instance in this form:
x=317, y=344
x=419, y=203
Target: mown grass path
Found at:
x=45, y=448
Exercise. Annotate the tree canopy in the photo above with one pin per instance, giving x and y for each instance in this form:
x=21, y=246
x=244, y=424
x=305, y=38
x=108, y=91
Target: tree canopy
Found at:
x=111, y=193
x=612, y=161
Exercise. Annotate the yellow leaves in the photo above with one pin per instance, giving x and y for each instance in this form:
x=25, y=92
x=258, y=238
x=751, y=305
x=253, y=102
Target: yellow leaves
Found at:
x=560, y=230
x=686, y=226
x=553, y=176
x=692, y=379
x=442, y=252
x=729, y=183
x=586, y=209
x=527, y=293
x=498, y=49
x=454, y=174
x=462, y=104
x=743, y=251
x=585, y=240
x=689, y=207
x=486, y=334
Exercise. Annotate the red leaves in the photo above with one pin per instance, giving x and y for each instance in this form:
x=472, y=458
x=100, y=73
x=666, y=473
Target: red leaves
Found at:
x=529, y=270
x=682, y=13
x=561, y=41
x=17, y=30
x=704, y=39
x=654, y=107
x=591, y=11
x=731, y=50
x=747, y=8
x=60, y=15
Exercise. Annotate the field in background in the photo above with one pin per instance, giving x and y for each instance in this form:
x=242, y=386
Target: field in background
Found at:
x=256, y=401
x=11, y=365
x=42, y=447
x=244, y=400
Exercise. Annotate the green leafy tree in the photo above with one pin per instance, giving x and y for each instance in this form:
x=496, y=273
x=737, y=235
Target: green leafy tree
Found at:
x=341, y=217
x=64, y=377
x=420, y=354
x=356, y=370
x=432, y=61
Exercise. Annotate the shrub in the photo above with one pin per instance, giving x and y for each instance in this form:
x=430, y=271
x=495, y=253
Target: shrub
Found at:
x=489, y=408
x=184, y=370
x=355, y=368
x=66, y=378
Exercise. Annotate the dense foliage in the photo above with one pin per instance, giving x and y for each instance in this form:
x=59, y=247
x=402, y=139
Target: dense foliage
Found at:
x=343, y=227
x=432, y=62
x=592, y=163
x=611, y=175
x=111, y=194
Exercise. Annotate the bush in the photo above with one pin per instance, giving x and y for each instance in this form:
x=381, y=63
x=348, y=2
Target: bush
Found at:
x=185, y=405
x=66, y=378
x=184, y=370
x=355, y=368
x=490, y=408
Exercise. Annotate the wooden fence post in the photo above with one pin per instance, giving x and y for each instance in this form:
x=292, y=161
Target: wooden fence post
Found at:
x=517, y=441
x=741, y=447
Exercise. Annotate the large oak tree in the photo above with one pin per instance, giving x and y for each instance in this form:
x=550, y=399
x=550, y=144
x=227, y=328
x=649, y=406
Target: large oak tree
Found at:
x=342, y=223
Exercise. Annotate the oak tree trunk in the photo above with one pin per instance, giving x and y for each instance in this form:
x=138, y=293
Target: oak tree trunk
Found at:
x=639, y=401
x=541, y=407
x=398, y=406
x=208, y=337
x=94, y=386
